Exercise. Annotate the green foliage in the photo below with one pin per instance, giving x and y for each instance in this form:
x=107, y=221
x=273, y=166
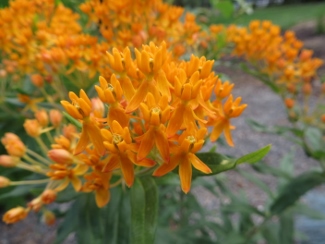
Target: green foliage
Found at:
x=144, y=204
x=110, y=224
x=295, y=188
x=219, y=163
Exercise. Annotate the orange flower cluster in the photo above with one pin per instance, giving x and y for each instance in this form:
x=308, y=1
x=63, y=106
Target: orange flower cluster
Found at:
x=44, y=40
x=151, y=115
x=281, y=57
x=133, y=23
x=158, y=113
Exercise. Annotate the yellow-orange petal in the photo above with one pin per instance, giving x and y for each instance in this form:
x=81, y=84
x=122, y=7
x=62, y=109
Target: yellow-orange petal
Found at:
x=146, y=144
x=227, y=134
x=72, y=110
x=127, y=170
x=64, y=184
x=138, y=97
x=82, y=143
x=185, y=174
x=175, y=121
x=217, y=130
x=162, y=144
x=95, y=136
x=198, y=164
x=111, y=163
x=76, y=183
x=102, y=197
x=167, y=167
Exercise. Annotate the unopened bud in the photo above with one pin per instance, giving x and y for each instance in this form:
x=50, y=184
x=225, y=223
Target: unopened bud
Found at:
x=4, y=182
x=8, y=161
x=307, y=89
x=14, y=215
x=55, y=117
x=3, y=73
x=289, y=102
x=48, y=196
x=48, y=217
x=32, y=127
x=13, y=145
x=42, y=117
x=69, y=131
x=36, y=204
x=60, y=156
x=37, y=80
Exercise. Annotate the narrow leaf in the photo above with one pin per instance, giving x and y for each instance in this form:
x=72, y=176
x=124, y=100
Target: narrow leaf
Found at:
x=292, y=191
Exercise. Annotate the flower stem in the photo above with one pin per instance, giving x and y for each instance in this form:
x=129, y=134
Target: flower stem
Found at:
x=29, y=182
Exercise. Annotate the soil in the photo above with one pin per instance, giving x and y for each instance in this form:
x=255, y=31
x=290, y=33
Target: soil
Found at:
x=264, y=107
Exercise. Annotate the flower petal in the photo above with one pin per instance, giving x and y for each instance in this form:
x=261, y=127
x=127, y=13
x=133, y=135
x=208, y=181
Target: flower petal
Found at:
x=185, y=174
x=146, y=144
x=167, y=167
x=127, y=170
x=102, y=197
x=162, y=144
x=198, y=164
x=138, y=97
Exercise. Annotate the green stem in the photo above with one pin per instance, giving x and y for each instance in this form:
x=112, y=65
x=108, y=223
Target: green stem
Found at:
x=42, y=145
x=29, y=182
x=39, y=157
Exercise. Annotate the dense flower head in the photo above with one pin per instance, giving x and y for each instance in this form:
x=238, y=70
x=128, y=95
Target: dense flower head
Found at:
x=282, y=59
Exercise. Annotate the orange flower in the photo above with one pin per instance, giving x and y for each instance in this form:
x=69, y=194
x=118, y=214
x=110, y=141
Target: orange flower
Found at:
x=80, y=108
x=98, y=182
x=67, y=174
x=221, y=123
x=184, y=156
x=122, y=154
x=155, y=115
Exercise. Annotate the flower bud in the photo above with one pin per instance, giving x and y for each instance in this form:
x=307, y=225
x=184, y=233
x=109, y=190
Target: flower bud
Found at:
x=14, y=215
x=8, y=161
x=32, y=127
x=55, y=117
x=60, y=156
x=36, y=204
x=13, y=145
x=37, y=80
x=307, y=89
x=48, y=217
x=42, y=117
x=69, y=131
x=4, y=182
x=98, y=107
x=289, y=102
x=48, y=196
x=3, y=73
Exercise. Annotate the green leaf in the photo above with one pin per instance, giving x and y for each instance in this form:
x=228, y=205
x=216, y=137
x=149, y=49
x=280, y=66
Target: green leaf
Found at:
x=219, y=163
x=254, y=157
x=313, y=143
x=225, y=7
x=270, y=232
x=302, y=209
x=292, y=191
x=286, y=230
x=144, y=210
x=69, y=224
x=72, y=120
x=151, y=208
